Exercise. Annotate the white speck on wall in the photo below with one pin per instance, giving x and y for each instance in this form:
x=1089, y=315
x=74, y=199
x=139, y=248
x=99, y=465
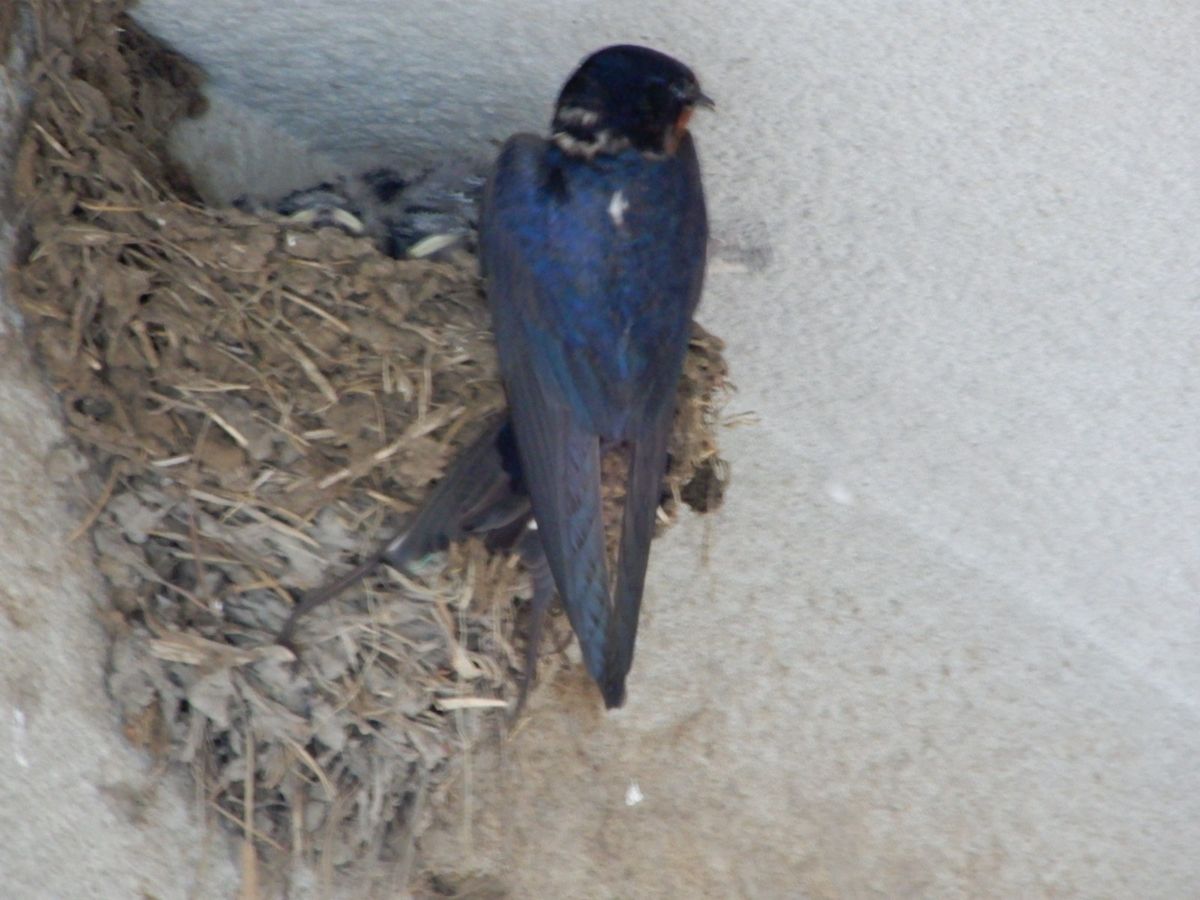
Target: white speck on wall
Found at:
x=617, y=207
x=633, y=794
x=839, y=493
x=20, y=736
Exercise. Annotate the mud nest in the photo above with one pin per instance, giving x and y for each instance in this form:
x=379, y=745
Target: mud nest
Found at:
x=260, y=404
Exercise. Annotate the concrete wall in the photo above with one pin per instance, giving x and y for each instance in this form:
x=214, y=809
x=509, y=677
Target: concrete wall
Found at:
x=942, y=640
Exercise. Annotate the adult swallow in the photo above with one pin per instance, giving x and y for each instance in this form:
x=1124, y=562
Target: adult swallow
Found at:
x=592, y=245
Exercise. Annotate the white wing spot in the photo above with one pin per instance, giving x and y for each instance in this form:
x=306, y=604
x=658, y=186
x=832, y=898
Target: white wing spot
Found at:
x=616, y=209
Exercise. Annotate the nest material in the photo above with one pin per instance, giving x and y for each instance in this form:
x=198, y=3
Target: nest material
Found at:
x=261, y=403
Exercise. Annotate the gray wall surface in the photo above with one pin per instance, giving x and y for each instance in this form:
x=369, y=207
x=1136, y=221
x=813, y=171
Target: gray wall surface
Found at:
x=942, y=640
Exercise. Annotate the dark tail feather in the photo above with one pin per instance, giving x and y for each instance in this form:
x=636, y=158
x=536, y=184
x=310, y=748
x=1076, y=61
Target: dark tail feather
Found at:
x=647, y=463
x=478, y=493
x=534, y=557
x=327, y=592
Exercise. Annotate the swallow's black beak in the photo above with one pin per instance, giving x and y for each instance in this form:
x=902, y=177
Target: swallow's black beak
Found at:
x=704, y=101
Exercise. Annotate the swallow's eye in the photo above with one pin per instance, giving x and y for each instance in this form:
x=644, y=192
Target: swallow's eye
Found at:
x=683, y=92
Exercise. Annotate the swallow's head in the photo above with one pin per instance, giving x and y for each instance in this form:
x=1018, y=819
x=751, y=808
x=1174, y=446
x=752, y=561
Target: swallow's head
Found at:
x=626, y=96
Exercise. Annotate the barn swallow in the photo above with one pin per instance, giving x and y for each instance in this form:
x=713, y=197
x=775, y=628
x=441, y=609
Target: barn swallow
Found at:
x=592, y=246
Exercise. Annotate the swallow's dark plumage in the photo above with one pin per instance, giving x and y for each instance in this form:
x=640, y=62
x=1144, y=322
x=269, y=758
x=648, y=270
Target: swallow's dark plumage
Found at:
x=593, y=249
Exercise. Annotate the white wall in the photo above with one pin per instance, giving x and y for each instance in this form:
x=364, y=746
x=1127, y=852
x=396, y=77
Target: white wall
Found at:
x=944, y=635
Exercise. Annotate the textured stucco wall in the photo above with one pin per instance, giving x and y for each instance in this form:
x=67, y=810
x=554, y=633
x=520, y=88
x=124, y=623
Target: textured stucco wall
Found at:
x=942, y=639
